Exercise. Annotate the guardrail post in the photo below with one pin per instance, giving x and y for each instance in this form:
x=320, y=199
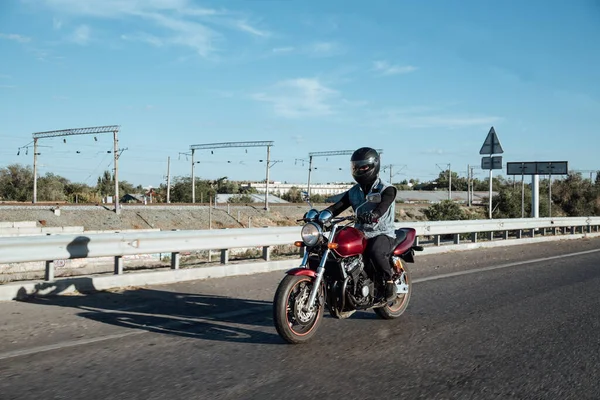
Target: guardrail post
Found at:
x=118, y=265
x=505, y=235
x=491, y=235
x=49, y=274
x=266, y=253
x=416, y=241
x=554, y=231
x=520, y=234
x=532, y=232
x=224, y=256
x=437, y=240
x=457, y=238
x=589, y=229
x=474, y=237
x=175, y=257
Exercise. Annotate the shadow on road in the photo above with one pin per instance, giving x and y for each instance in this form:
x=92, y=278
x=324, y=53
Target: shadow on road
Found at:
x=209, y=317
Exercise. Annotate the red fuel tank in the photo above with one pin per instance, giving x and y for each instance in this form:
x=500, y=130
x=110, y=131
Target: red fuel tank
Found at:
x=351, y=242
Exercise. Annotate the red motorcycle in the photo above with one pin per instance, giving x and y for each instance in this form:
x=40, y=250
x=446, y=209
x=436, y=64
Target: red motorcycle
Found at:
x=335, y=275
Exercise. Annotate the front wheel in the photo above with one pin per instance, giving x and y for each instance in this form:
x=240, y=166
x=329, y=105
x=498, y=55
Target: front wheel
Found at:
x=396, y=308
x=293, y=323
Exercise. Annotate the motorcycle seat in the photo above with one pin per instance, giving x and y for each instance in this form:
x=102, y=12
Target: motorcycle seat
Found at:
x=405, y=238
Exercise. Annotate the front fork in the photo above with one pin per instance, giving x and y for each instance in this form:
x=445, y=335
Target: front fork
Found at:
x=320, y=272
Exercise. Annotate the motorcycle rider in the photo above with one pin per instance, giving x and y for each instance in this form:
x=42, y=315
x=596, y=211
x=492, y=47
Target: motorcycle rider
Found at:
x=375, y=220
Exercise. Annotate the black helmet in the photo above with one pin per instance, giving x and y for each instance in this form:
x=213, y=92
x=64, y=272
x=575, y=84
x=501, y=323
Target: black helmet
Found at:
x=365, y=165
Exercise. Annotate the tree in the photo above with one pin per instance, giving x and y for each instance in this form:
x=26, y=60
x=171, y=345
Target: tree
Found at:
x=294, y=195
x=458, y=183
x=181, y=190
x=576, y=196
x=445, y=210
x=240, y=198
x=106, y=184
x=16, y=183
x=52, y=188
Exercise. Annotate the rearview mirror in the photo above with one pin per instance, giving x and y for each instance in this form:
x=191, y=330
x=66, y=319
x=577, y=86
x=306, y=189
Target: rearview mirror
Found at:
x=374, y=197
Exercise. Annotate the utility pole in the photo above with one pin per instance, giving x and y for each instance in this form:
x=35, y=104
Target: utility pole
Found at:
x=468, y=185
x=310, y=157
x=168, y=180
x=522, y=192
x=327, y=154
x=449, y=182
x=116, y=158
x=233, y=144
x=267, y=181
x=35, y=153
x=472, y=186
x=114, y=129
x=193, y=180
x=550, y=194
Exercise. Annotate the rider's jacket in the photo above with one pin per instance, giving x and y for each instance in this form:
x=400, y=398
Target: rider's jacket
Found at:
x=385, y=223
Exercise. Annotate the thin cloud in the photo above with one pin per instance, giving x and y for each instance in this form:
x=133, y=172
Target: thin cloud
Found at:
x=81, y=35
x=325, y=49
x=385, y=68
x=169, y=22
x=430, y=117
x=15, y=37
x=316, y=49
x=246, y=27
x=302, y=97
x=145, y=38
x=7, y=87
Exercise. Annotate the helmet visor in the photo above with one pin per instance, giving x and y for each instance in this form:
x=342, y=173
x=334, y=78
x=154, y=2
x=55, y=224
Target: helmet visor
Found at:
x=362, y=166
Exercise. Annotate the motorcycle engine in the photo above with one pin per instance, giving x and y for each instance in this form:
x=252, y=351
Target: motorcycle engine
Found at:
x=360, y=288
x=352, y=265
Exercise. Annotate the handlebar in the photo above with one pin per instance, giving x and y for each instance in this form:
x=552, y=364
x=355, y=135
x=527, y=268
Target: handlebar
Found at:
x=352, y=218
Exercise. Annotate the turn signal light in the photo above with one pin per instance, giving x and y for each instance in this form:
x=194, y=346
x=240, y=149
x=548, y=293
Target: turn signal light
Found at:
x=299, y=243
x=332, y=246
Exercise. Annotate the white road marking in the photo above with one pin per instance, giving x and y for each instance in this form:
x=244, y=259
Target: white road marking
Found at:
x=229, y=314
x=513, y=264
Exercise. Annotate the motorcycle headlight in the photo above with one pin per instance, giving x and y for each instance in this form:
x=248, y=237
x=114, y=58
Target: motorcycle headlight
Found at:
x=311, y=233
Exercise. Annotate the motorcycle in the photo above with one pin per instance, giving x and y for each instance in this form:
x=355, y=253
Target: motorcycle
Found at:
x=335, y=275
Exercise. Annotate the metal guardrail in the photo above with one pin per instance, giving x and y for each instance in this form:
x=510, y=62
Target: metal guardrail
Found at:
x=70, y=246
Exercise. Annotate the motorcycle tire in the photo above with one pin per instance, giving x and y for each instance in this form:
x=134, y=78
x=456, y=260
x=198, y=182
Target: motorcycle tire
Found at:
x=396, y=308
x=287, y=309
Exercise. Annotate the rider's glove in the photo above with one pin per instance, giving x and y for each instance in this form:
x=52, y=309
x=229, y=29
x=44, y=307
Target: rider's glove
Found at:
x=368, y=217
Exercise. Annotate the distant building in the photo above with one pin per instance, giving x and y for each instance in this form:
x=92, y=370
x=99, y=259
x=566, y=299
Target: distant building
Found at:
x=256, y=198
x=280, y=188
x=430, y=196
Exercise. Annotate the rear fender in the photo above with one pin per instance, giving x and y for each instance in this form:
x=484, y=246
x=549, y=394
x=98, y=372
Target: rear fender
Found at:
x=301, y=271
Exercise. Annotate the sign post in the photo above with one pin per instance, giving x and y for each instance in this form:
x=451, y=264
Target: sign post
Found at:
x=491, y=146
x=535, y=169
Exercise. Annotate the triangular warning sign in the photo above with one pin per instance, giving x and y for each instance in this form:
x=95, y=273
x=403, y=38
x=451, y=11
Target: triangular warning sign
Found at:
x=491, y=144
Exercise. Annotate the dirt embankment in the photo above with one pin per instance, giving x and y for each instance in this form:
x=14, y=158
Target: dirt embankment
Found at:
x=171, y=217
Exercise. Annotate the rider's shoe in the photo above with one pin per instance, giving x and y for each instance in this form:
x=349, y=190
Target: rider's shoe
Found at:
x=390, y=291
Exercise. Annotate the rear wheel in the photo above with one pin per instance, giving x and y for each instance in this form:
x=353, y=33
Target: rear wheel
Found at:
x=396, y=308
x=293, y=323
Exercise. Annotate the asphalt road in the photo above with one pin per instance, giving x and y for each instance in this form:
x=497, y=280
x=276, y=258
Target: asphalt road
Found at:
x=519, y=322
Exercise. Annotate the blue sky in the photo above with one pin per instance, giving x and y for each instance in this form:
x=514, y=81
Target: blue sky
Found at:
x=423, y=80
